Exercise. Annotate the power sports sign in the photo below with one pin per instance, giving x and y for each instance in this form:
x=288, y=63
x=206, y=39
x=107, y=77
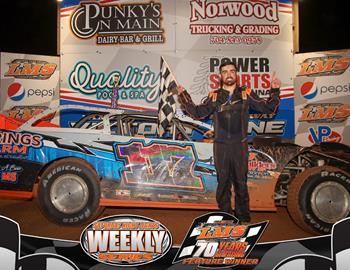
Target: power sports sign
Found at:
x=105, y=40
x=322, y=97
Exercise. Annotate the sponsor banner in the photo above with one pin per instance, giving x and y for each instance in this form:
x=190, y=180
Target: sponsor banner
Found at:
x=18, y=144
x=324, y=133
x=24, y=113
x=88, y=80
x=254, y=71
x=9, y=173
x=322, y=252
x=28, y=82
x=98, y=44
x=175, y=25
x=87, y=26
x=209, y=25
x=322, y=97
x=16, y=172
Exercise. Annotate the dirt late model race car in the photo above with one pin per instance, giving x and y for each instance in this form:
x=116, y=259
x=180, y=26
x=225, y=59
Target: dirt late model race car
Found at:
x=115, y=158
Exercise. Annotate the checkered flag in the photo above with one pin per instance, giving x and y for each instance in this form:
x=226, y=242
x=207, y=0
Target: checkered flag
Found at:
x=167, y=104
x=10, y=252
x=340, y=253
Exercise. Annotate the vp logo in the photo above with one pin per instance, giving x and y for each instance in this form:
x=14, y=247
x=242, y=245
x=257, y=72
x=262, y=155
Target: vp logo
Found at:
x=323, y=134
x=340, y=253
x=10, y=252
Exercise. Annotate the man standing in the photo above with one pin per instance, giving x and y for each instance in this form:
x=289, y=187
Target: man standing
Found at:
x=230, y=106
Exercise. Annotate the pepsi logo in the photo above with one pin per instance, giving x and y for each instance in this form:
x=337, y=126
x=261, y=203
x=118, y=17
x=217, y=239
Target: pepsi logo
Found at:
x=308, y=90
x=16, y=92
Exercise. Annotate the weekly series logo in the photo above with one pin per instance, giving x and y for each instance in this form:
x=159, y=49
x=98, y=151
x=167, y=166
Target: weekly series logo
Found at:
x=126, y=240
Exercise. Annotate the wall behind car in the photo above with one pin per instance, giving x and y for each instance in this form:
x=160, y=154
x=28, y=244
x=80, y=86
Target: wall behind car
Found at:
x=102, y=39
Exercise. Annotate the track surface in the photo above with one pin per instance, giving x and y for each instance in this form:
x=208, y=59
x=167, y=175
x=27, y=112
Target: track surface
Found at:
x=32, y=222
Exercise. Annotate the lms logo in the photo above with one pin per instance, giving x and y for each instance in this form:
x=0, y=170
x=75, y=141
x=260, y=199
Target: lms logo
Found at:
x=216, y=240
x=323, y=134
x=309, y=90
x=324, y=66
x=30, y=69
x=16, y=92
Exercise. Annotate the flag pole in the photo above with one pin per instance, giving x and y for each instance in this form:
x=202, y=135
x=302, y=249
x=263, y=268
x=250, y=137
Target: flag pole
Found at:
x=166, y=63
x=115, y=94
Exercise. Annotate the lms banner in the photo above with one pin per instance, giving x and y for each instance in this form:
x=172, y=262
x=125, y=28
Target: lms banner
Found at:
x=29, y=84
x=322, y=97
x=104, y=39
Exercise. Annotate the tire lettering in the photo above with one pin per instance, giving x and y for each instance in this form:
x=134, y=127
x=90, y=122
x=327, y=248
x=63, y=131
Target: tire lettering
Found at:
x=45, y=183
x=87, y=212
x=324, y=173
x=338, y=175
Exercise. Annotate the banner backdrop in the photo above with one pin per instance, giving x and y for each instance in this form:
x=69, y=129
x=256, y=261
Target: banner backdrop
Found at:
x=103, y=39
x=29, y=84
x=322, y=97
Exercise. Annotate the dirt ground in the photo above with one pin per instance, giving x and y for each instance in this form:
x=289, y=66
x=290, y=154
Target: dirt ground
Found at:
x=32, y=222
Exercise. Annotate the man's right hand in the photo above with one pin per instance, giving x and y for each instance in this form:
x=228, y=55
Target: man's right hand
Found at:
x=184, y=96
x=276, y=82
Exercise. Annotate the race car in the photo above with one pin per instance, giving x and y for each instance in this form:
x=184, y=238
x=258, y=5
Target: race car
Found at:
x=83, y=160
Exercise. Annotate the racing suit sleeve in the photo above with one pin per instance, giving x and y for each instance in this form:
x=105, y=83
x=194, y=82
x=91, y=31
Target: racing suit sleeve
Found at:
x=198, y=111
x=265, y=106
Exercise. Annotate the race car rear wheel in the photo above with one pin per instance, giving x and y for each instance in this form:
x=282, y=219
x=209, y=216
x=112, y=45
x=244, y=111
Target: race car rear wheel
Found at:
x=69, y=192
x=319, y=197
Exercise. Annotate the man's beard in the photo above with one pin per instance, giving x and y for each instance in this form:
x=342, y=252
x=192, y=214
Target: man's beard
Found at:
x=229, y=81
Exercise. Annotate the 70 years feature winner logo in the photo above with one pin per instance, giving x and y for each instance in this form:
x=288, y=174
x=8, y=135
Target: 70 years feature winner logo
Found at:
x=126, y=240
x=216, y=240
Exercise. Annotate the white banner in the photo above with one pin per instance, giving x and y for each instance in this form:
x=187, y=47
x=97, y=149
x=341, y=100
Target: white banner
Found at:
x=29, y=84
x=322, y=97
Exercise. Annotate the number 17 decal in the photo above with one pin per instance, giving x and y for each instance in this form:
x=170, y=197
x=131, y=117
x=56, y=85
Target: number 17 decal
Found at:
x=159, y=165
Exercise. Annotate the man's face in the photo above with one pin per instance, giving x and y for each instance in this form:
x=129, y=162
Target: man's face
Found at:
x=228, y=75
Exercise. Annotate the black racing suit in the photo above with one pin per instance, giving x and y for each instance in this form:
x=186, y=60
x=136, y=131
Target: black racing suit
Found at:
x=231, y=115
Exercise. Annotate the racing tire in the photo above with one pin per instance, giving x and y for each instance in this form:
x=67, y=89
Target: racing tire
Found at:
x=319, y=197
x=69, y=192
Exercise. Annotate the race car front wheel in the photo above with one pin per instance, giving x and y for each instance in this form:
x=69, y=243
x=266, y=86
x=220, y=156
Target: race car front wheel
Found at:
x=69, y=192
x=319, y=197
